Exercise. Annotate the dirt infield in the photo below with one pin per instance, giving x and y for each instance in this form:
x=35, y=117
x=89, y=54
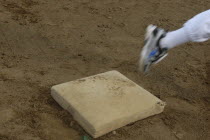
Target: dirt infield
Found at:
x=47, y=42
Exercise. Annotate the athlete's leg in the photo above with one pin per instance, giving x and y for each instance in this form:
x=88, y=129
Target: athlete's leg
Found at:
x=196, y=29
x=157, y=41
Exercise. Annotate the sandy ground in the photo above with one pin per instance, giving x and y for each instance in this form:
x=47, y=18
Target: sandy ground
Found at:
x=47, y=42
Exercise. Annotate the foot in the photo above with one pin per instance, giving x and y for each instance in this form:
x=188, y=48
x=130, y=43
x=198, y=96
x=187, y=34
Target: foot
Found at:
x=152, y=52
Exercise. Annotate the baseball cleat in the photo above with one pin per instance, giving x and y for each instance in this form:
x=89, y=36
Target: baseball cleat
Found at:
x=152, y=52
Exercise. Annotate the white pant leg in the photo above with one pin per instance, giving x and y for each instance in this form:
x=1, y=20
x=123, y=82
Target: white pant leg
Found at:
x=198, y=28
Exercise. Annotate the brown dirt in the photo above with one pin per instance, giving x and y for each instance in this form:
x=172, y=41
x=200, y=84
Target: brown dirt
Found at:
x=47, y=42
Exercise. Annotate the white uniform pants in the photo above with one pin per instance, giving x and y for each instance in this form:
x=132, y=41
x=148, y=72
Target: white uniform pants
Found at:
x=198, y=28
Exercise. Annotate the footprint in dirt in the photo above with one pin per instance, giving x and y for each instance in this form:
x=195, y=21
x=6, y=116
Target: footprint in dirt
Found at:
x=181, y=105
